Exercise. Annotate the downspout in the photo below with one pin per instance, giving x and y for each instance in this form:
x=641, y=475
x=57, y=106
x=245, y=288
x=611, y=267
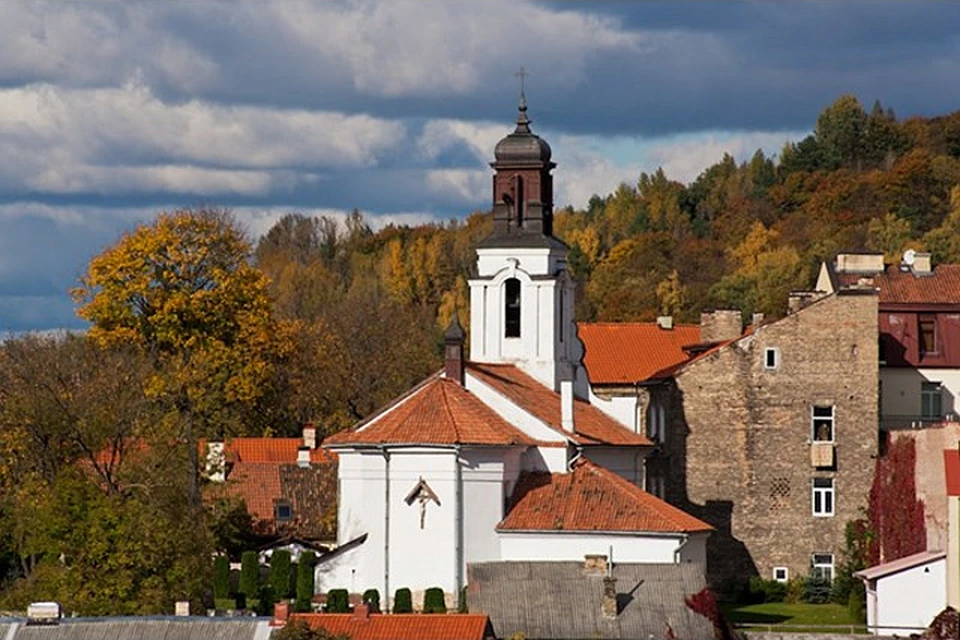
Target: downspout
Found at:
x=459, y=525
x=386, y=525
x=676, y=552
x=576, y=456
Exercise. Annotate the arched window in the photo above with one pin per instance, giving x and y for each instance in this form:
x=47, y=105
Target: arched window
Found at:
x=511, y=308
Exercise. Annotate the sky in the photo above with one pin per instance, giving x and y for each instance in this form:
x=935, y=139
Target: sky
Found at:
x=113, y=111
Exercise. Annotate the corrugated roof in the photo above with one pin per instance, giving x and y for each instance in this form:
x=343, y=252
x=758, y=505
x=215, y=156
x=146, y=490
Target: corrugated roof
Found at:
x=147, y=629
x=439, y=412
x=909, y=562
x=591, y=498
x=554, y=600
x=631, y=352
x=902, y=287
x=951, y=464
x=592, y=425
x=408, y=626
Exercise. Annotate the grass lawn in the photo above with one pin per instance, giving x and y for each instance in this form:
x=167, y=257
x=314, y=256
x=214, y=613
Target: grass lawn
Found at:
x=789, y=615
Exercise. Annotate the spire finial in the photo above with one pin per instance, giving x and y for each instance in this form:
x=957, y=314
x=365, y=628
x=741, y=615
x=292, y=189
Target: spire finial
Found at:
x=522, y=121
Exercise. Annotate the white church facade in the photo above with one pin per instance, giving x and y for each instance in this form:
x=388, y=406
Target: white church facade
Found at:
x=501, y=457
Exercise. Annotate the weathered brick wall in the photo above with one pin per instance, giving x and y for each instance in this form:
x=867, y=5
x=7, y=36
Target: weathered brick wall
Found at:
x=739, y=439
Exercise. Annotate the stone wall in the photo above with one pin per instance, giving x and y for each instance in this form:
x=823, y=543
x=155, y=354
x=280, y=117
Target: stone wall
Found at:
x=739, y=445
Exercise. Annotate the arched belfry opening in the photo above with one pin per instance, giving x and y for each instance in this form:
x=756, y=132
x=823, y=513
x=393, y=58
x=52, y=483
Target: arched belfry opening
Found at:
x=511, y=308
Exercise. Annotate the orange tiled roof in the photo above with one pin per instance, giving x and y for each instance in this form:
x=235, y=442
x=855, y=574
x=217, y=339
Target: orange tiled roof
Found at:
x=951, y=464
x=258, y=484
x=630, y=352
x=439, y=412
x=902, y=287
x=271, y=450
x=592, y=425
x=591, y=498
x=409, y=626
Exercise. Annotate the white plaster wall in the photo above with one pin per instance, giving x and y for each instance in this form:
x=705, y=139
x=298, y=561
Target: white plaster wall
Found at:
x=539, y=261
x=626, y=462
x=953, y=552
x=901, y=389
x=549, y=459
x=543, y=546
x=360, y=511
x=623, y=409
x=908, y=601
x=521, y=419
x=483, y=494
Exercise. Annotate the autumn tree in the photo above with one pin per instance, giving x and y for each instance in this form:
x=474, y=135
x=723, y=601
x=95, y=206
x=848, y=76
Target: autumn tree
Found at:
x=182, y=288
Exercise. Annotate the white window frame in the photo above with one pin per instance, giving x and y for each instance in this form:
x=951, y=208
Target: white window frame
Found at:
x=823, y=498
x=781, y=574
x=820, y=566
x=831, y=419
x=771, y=351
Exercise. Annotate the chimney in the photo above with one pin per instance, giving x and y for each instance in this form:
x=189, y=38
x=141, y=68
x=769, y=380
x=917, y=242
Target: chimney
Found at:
x=182, y=608
x=281, y=611
x=453, y=339
x=361, y=613
x=921, y=264
x=303, y=457
x=566, y=398
x=216, y=467
x=608, y=606
x=665, y=322
x=721, y=325
x=594, y=565
x=757, y=320
x=309, y=436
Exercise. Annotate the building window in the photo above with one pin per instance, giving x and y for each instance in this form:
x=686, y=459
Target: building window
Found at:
x=931, y=407
x=282, y=512
x=781, y=574
x=928, y=334
x=822, y=420
x=823, y=566
x=512, y=308
x=823, y=497
x=771, y=358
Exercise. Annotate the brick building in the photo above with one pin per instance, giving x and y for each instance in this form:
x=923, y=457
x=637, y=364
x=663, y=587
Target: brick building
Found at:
x=768, y=434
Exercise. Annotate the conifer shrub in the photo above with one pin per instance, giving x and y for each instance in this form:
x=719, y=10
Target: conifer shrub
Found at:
x=857, y=606
x=371, y=598
x=280, y=573
x=816, y=590
x=304, y=599
x=403, y=601
x=265, y=600
x=249, y=574
x=434, y=601
x=338, y=601
x=221, y=577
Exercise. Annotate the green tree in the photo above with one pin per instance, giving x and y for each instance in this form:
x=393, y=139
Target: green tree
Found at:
x=221, y=577
x=249, y=574
x=305, y=582
x=280, y=568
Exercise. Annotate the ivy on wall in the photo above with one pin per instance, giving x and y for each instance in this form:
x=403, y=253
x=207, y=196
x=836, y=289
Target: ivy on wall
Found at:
x=895, y=513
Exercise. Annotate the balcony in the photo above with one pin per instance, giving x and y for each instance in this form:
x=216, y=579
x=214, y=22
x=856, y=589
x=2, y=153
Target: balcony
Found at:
x=904, y=422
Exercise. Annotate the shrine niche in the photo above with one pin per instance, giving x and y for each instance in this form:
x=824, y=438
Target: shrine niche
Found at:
x=422, y=494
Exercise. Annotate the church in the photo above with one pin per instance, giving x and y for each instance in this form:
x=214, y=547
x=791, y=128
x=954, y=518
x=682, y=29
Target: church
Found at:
x=501, y=457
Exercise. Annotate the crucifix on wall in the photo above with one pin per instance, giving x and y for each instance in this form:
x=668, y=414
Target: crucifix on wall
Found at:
x=422, y=494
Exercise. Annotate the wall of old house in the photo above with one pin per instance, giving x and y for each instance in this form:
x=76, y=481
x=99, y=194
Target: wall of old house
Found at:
x=739, y=444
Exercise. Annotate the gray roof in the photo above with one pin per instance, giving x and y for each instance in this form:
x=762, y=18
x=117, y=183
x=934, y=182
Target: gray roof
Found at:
x=192, y=628
x=554, y=600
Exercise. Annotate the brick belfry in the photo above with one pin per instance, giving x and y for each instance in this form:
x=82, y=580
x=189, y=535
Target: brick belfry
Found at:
x=522, y=185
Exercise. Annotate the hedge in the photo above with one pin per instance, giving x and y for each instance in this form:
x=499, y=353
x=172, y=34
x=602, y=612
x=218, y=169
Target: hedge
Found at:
x=403, y=601
x=434, y=601
x=250, y=574
x=280, y=573
x=371, y=598
x=304, y=600
x=338, y=601
x=221, y=577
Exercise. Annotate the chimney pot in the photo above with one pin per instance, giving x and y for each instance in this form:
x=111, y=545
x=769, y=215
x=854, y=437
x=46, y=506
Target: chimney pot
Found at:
x=310, y=436
x=609, y=607
x=720, y=325
x=182, y=608
x=303, y=457
x=665, y=322
x=453, y=339
x=281, y=611
x=594, y=565
x=361, y=612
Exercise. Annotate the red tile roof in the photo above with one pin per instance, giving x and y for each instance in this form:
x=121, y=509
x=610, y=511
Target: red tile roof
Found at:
x=951, y=464
x=902, y=287
x=630, y=352
x=439, y=412
x=406, y=626
x=592, y=425
x=271, y=450
x=591, y=498
x=258, y=484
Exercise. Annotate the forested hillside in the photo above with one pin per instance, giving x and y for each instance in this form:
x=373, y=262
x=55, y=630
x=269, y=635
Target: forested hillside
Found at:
x=198, y=335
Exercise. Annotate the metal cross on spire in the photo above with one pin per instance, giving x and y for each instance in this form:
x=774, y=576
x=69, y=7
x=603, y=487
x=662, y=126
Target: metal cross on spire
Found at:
x=522, y=74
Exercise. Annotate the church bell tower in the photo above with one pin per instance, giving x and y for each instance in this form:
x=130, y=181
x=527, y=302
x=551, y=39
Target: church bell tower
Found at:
x=521, y=302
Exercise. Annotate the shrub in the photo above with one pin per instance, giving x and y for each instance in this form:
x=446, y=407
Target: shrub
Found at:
x=816, y=590
x=265, y=600
x=280, y=573
x=371, y=598
x=403, y=601
x=856, y=605
x=249, y=574
x=434, y=601
x=241, y=601
x=298, y=629
x=304, y=600
x=338, y=601
x=760, y=590
x=795, y=590
x=221, y=577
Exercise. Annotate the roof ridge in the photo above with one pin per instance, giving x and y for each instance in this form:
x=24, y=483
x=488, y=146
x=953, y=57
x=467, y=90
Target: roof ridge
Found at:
x=458, y=437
